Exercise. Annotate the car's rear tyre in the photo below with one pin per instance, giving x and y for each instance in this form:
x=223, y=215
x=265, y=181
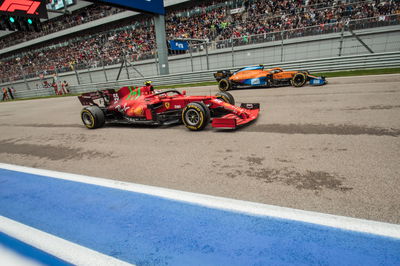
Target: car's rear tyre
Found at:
x=298, y=80
x=224, y=85
x=92, y=117
x=196, y=116
x=226, y=97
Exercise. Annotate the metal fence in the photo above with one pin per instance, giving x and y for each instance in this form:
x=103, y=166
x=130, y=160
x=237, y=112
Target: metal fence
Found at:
x=94, y=81
x=317, y=65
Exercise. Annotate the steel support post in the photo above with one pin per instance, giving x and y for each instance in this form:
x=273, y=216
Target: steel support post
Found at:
x=208, y=63
x=159, y=24
x=281, y=46
x=361, y=41
x=23, y=75
x=191, y=56
x=104, y=69
x=126, y=67
x=157, y=64
x=233, y=53
x=341, y=41
x=77, y=76
x=90, y=74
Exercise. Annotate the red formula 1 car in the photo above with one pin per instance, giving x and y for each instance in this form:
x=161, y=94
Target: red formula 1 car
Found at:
x=131, y=105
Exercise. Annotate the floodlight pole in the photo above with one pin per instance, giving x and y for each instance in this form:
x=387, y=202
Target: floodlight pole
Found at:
x=162, y=51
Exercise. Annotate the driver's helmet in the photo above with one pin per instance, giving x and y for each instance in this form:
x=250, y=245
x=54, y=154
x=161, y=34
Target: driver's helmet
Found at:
x=147, y=83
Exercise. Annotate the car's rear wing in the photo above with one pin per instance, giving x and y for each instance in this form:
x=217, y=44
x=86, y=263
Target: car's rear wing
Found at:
x=222, y=74
x=108, y=96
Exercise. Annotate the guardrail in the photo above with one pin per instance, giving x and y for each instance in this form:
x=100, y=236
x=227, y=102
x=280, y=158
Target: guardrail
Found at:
x=377, y=60
x=315, y=65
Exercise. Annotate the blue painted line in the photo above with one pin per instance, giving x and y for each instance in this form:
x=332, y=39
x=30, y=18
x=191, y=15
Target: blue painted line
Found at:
x=30, y=252
x=147, y=230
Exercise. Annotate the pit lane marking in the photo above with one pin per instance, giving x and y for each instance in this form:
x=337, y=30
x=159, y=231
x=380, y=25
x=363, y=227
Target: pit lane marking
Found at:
x=56, y=246
x=252, y=208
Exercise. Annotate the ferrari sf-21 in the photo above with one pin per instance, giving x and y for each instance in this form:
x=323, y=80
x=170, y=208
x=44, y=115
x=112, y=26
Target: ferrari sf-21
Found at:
x=258, y=76
x=130, y=105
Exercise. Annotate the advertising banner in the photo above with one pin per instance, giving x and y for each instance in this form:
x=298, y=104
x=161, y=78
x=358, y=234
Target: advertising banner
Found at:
x=179, y=45
x=149, y=6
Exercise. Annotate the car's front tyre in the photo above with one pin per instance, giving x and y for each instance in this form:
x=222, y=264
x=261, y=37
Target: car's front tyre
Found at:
x=299, y=79
x=196, y=116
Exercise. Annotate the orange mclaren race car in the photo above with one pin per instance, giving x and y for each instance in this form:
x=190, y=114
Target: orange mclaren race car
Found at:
x=258, y=76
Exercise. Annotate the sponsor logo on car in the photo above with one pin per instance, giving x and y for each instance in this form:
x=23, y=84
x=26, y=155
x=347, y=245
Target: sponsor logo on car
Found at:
x=255, y=81
x=122, y=109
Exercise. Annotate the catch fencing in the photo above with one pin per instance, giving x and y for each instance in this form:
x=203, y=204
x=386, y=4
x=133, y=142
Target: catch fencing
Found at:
x=366, y=61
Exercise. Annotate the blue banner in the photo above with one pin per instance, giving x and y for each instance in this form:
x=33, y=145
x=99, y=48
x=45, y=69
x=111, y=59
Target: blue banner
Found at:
x=151, y=6
x=179, y=45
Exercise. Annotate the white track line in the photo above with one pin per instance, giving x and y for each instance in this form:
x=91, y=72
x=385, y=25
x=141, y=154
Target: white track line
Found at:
x=58, y=247
x=252, y=208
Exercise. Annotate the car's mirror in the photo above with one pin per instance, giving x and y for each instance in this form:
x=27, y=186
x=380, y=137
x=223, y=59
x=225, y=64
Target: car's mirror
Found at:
x=183, y=92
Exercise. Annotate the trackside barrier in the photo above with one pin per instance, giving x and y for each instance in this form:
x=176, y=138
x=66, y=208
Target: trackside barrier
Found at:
x=380, y=60
x=366, y=61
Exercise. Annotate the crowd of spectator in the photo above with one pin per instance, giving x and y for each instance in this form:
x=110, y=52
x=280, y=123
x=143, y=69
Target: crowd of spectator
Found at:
x=264, y=16
x=210, y=20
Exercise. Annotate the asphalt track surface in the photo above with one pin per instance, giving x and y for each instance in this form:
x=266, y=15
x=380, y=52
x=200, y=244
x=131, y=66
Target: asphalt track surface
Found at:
x=332, y=149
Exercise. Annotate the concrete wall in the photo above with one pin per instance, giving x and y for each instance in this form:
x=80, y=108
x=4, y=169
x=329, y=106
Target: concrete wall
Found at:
x=385, y=39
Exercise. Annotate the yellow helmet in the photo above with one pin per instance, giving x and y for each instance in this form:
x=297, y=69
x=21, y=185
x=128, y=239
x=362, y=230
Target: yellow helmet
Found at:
x=148, y=82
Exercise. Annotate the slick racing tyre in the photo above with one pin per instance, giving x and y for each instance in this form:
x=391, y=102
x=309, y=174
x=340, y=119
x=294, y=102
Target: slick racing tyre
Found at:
x=92, y=117
x=299, y=79
x=226, y=97
x=224, y=85
x=196, y=116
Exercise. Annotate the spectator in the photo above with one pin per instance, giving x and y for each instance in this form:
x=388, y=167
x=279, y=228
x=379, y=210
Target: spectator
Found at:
x=55, y=88
x=10, y=92
x=65, y=87
x=5, y=96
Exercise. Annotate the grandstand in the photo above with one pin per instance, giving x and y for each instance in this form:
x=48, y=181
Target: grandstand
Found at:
x=95, y=35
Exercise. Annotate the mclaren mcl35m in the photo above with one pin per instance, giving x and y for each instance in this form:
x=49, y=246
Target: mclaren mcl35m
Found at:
x=259, y=76
x=131, y=105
